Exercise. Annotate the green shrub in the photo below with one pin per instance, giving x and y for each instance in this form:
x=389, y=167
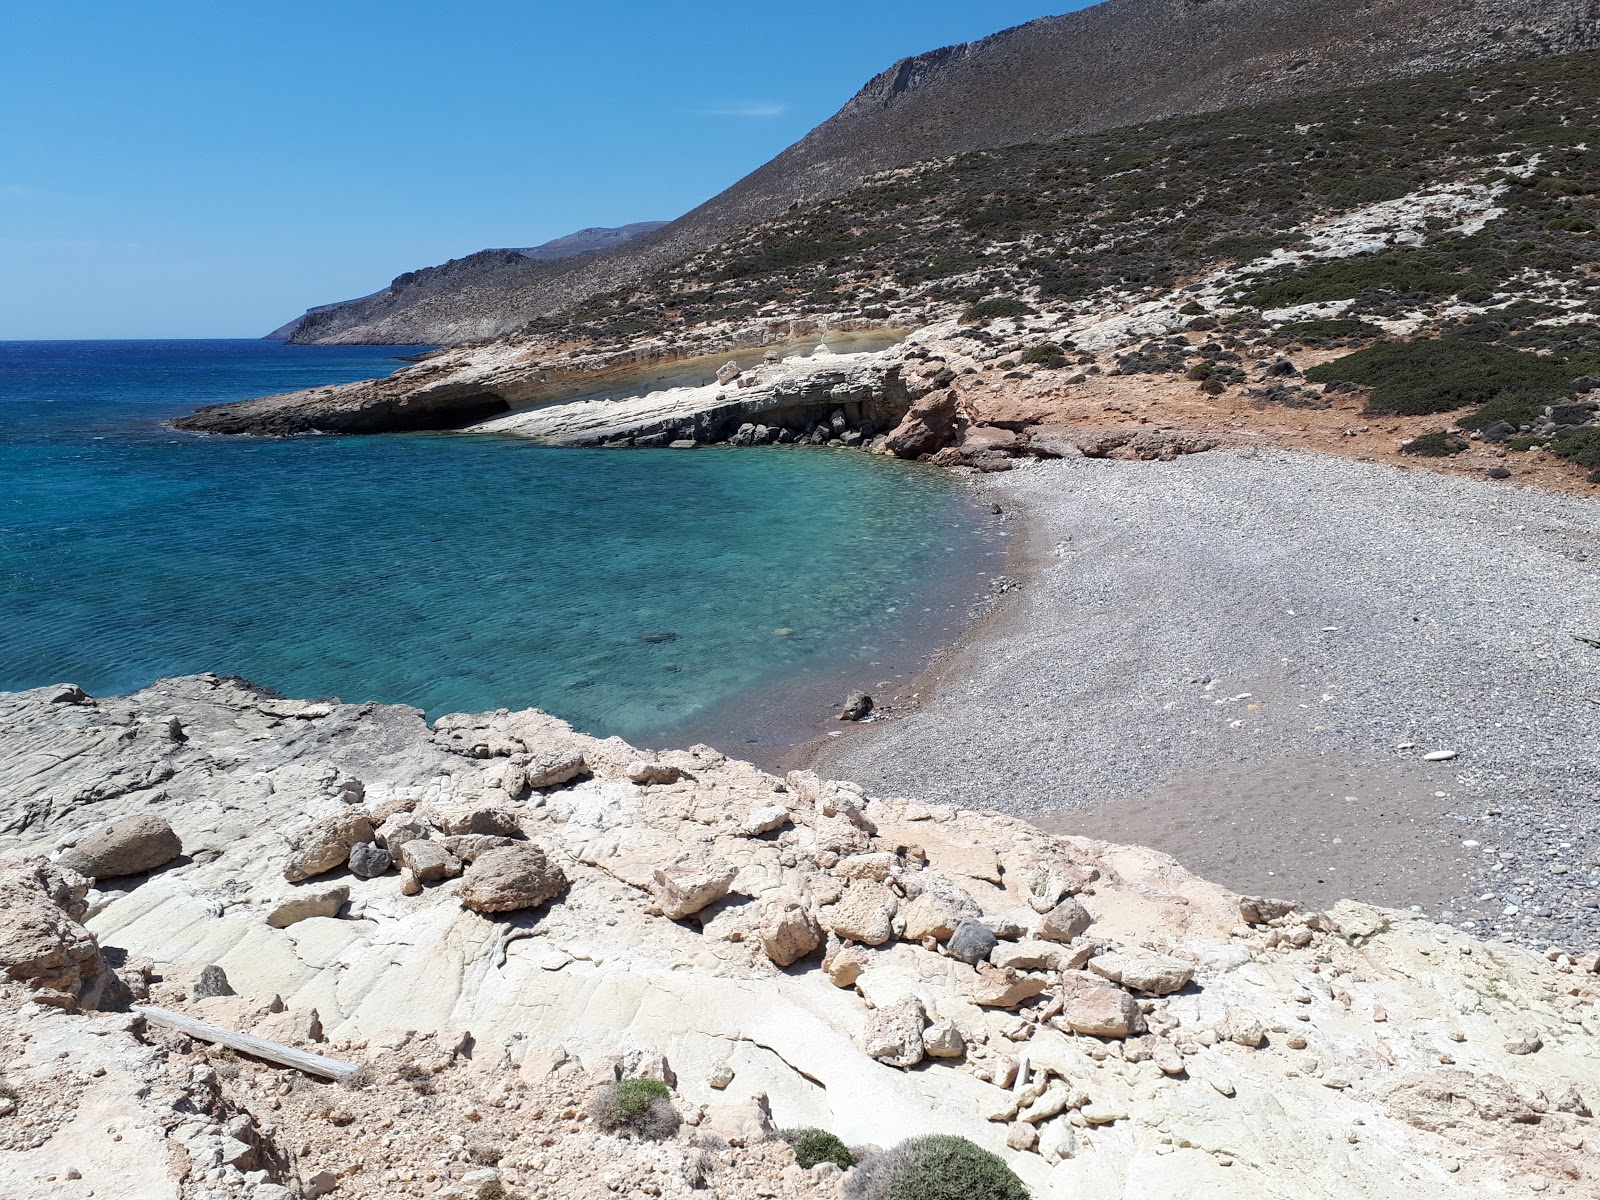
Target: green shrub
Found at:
x=1328, y=329
x=1582, y=448
x=1045, y=354
x=1415, y=378
x=639, y=1106
x=937, y=1167
x=1000, y=306
x=1525, y=442
x=813, y=1146
x=1404, y=271
x=1435, y=445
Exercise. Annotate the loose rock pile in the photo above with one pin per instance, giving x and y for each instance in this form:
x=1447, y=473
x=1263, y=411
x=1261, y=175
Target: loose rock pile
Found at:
x=559, y=911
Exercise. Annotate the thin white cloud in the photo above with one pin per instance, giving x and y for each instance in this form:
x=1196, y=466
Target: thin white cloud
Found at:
x=750, y=110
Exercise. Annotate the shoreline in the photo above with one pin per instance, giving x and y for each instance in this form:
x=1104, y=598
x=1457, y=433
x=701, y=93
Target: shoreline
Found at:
x=1314, y=814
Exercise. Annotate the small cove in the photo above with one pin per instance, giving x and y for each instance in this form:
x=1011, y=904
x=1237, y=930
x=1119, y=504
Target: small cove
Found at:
x=631, y=592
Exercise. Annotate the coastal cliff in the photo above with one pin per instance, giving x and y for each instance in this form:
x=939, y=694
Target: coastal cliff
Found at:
x=494, y=918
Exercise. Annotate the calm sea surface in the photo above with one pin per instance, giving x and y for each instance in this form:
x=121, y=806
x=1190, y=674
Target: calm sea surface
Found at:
x=626, y=591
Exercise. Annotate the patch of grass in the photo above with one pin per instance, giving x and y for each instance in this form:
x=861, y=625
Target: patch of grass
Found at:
x=813, y=1146
x=1000, y=306
x=1420, y=377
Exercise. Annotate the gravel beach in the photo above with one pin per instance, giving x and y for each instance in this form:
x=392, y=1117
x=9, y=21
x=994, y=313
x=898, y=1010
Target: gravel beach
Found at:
x=1299, y=674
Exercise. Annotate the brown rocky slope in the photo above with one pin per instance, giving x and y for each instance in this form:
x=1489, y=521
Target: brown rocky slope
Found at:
x=1117, y=64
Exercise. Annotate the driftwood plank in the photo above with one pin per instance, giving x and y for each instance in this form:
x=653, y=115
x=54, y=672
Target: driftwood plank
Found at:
x=273, y=1052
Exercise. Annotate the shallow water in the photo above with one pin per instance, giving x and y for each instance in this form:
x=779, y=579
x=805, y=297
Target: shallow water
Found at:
x=624, y=590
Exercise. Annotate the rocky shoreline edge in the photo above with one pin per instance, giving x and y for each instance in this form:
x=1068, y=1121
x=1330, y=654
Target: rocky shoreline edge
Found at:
x=494, y=919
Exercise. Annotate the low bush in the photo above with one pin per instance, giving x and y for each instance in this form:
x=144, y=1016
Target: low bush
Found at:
x=1045, y=354
x=1435, y=445
x=1416, y=378
x=937, y=1167
x=813, y=1146
x=639, y=1106
x=1000, y=306
x=1582, y=448
x=1327, y=329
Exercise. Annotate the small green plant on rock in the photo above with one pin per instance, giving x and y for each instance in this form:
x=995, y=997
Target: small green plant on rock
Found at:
x=813, y=1146
x=937, y=1167
x=642, y=1107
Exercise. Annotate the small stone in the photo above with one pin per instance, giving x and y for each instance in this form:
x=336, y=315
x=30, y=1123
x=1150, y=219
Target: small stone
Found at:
x=1439, y=756
x=212, y=981
x=1020, y=1135
x=1065, y=921
x=368, y=860
x=721, y=1075
x=943, y=1040
x=1522, y=1041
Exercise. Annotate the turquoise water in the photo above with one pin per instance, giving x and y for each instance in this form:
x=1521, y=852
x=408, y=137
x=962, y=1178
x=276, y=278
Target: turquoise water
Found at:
x=623, y=590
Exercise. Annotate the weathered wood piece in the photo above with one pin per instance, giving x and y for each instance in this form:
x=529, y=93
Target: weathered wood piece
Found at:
x=273, y=1052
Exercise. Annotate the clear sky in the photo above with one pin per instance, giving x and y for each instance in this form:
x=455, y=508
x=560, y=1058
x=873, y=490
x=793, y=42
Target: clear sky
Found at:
x=210, y=168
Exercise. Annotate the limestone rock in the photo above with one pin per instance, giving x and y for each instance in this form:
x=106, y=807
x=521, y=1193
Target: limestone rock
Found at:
x=1245, y=1029
x=728, y=372
x=844, y=963
x=1051, y=880
x=1091, y=1005
x=472, y=818
x=469, y=846
x=130, y=846
x=878, y=865
x=314, y=902
x=998, y=988
x=681, y=892
x=398, y=829
x=1029, y=955
x=764, y=820
x=427, y=861
x=512, y=877
x=647, y=774
x=1021, y=1136
x=943, y=1039
x=368, y=859
x=1259, y=910
x=744, y=1124
x=865, y=913
x=789, y=932
x=554, y=764
x=893, y=1034
x=295, y=1026
x=1144, y=971
x=41, y=944
x=327, y=846
x=1065, y=921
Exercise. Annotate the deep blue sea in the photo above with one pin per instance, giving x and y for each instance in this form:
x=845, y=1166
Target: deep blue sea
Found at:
x=627, y=591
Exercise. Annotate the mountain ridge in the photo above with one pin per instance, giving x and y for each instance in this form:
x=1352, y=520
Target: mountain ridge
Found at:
x=1049, y=78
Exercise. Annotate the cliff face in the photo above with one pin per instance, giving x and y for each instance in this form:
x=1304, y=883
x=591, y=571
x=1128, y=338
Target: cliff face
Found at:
x=1117, y=64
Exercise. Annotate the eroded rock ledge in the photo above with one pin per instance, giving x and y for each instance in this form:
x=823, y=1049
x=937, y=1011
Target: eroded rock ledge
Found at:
x=494, y=916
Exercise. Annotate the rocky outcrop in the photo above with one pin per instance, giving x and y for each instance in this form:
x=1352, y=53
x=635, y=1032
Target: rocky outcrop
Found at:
x=1172, y=1032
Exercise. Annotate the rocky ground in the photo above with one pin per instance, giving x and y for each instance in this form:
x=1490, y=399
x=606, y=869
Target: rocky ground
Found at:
x=495, y=917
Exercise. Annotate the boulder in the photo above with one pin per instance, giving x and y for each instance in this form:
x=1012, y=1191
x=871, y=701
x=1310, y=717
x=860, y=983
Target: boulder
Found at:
x=1065, y=921
x=745, y=1124
x=728, y=372
x=650, y=774
x=468, y=846
x=1051, y=880
x=928, y=427
x=789, y=932
x=844, y=963
x=1144, y=971
x=865, y=913
x=314, y=902
x=367, y=859
x=130, y=846
x=764, y=820
x=1029, y=956
x=1091, y=1005
x=554, y=764
x=326, y=846
x=972, y=942
x=400, y=828
x=893, y=1033
x=427, y=861
x=856, y=706
x=879, y=866
x=1260, y=910
x=511, y=877
x=211, y=981
x=681, y=892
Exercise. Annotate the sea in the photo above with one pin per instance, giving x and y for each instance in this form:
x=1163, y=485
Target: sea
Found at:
x=650, y=594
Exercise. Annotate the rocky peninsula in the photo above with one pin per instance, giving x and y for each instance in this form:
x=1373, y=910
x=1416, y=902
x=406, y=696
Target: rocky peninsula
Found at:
x=482, y=925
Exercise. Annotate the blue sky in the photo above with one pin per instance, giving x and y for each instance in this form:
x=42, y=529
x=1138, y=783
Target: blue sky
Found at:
x=206, y=169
